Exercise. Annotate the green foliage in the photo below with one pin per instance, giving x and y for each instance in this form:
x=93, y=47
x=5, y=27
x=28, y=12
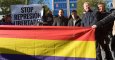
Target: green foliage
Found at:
x=80, y=7
x=46, y=9
x=5, y=4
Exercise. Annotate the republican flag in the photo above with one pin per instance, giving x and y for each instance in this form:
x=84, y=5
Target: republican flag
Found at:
x=47, y=43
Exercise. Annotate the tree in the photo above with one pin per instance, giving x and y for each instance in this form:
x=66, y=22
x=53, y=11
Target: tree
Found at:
x=46, y=9
x=5, y=4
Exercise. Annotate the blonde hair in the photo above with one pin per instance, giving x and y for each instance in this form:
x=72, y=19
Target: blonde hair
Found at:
x=86, y=3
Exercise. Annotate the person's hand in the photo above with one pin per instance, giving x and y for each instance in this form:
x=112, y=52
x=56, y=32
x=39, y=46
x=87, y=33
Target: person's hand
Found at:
x=94, y=26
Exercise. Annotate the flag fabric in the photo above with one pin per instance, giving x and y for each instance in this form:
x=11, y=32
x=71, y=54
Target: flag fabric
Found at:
x=47, y=43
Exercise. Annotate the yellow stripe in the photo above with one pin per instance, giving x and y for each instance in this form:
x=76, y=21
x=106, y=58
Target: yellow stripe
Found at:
x=83, y=49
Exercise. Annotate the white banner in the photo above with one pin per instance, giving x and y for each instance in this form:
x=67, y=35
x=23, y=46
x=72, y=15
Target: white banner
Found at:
x=26, y=12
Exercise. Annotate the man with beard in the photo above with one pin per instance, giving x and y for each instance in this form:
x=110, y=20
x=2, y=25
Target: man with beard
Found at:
x=60, y=20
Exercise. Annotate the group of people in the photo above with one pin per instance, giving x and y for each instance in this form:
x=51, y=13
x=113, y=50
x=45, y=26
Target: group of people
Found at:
x=100, y=19
x=61, y=20
x=89, y=18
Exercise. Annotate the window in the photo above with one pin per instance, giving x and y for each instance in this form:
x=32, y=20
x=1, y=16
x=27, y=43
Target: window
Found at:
x=60, y=5
x=73, y=5
x=65, y=12
x=59, y=0
x=55, y=12
x=73, y=0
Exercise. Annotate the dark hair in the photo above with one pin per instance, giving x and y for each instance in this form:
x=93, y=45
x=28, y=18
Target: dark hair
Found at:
x=61, y=10
x=73, y=11
x=101, y=4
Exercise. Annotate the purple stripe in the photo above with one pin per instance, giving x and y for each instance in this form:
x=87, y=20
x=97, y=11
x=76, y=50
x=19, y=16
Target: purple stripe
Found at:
x=27, y=57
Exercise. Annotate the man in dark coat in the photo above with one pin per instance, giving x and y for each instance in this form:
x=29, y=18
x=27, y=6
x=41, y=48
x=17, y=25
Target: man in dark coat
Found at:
x=88, y=18
x=48, y=21
x=106, y=20
x=102, y=33
x=110, y=18
x=60, y=20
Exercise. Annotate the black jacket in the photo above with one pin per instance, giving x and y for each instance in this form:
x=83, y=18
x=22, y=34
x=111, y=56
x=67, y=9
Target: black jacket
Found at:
x=103, y=30
x=88, y=18
x=100, y=15
x=77, y=23
x=60, y=21
x=49, y=19
x=106, y=20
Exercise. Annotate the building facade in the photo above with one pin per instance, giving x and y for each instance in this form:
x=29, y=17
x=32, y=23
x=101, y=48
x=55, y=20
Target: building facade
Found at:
x=109, y=4
x=66, y=5
x=36, y=2
x=33, y=1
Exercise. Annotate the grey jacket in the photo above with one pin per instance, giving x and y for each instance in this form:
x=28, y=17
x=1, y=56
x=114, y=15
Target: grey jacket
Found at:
x=88, y=19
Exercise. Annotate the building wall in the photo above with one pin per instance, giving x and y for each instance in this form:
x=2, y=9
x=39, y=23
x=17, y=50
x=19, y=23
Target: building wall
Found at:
x=48, y=3
x=33, y=1
x=73, y=5
x=55, y=5
x=109, y=4
x=60, y=4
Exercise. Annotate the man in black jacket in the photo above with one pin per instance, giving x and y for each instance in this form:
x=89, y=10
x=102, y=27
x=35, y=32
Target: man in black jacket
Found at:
x=48, y=21
x=102, y=33
x=60, y=20
x=106, y=20
x=110, y=18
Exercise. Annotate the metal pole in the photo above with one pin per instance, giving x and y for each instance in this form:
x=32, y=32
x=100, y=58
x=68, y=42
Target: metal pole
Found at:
x=113, y=3
x=53, y=6
x=68, y=8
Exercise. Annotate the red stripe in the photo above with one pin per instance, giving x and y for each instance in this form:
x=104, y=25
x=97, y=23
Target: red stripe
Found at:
x=47, y=32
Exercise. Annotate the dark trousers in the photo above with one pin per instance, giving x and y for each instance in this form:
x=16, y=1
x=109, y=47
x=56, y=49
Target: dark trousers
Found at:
x=103, y=42
x=113, y=45
x=98, y=52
